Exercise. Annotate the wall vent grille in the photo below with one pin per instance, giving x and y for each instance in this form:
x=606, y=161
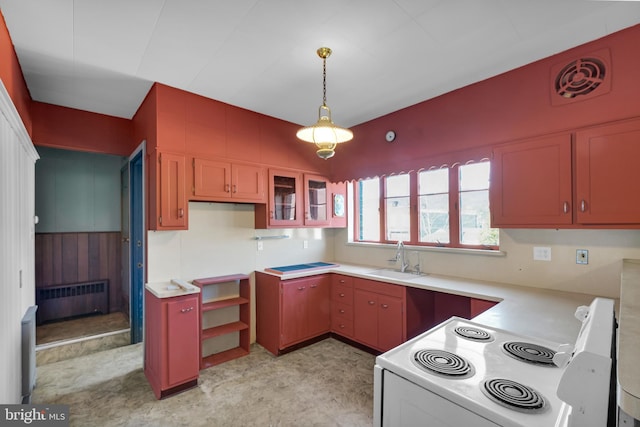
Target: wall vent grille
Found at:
x=581, y=78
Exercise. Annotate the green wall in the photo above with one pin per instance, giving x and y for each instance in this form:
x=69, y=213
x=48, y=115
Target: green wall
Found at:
x=77, y=191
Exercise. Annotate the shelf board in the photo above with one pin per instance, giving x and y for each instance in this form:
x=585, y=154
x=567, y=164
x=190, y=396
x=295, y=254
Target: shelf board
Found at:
x=228, y=302
x=227, y=328
x=219, y=279
x=223, y=356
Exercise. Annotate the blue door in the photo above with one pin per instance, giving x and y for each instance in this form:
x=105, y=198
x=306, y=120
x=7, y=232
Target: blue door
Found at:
x=136, y=176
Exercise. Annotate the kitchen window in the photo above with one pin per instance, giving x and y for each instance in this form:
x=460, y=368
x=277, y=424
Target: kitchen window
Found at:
x=437, y=207
x=397, y=207
x=368, y=219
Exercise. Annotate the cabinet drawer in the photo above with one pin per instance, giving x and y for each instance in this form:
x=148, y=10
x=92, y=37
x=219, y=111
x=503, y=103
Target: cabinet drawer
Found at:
x=341, y=325
x=342, y=294
x=339, y=279
x=342, y=310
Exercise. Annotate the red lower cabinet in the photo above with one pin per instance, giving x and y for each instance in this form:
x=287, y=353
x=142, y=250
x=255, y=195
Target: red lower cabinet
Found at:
x=342, y=305
x=172, y=360
x=289, y=312
x=379, y=320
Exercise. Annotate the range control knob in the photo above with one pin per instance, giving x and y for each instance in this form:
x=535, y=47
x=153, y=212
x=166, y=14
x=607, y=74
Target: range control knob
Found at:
x=563, y=355
x=582, y=312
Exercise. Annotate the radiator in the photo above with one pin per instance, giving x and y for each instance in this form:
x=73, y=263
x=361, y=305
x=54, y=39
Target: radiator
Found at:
x=59, y=302
x=28, y=353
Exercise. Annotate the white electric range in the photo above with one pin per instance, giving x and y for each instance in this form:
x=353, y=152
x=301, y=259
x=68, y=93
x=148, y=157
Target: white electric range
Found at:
x=461, y=373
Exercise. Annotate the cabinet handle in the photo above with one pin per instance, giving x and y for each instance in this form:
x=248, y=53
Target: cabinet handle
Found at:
x=180, y=213
x=271, y=214
x=341, y=295
x=583, y=206
x=372, y=302
x=341, y=311
x=301, y=288
x=235, y=188
x=186, y=310
x=342, y=280
x=227, y=188
x=565, y=207
x=342, y=326
x=384, y=305
x=314, y=286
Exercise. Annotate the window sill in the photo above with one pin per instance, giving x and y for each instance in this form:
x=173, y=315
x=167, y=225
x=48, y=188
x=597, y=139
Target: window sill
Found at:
x=439, y=249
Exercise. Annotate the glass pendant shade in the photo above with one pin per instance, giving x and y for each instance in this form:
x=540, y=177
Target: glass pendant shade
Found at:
x=324, y=133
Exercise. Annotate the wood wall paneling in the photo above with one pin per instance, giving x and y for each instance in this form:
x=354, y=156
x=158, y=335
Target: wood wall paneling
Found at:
x=64, y=258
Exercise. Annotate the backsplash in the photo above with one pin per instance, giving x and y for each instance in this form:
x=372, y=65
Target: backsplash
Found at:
x=221, y=240
x=607, y=249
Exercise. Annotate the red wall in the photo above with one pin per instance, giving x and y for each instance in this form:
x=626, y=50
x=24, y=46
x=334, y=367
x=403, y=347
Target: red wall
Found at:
x=510, y=106
x=62, y=127
x=11, y=76
x=176, y=121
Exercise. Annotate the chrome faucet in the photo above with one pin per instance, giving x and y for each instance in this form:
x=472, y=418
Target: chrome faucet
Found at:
x=400, y=256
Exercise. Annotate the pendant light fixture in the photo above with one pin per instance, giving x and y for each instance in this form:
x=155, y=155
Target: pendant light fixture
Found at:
x=324, y=133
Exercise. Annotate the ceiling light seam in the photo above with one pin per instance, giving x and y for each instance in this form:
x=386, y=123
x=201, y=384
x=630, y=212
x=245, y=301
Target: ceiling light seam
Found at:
x=146, y=49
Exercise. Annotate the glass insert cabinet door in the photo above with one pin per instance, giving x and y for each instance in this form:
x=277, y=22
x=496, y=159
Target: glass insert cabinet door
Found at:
x=317, y=193
x=317, y=200
x=284, y=198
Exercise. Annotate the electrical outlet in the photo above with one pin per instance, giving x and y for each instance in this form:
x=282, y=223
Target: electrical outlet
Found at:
x=582, y=256
x=305, y=244
x=541, y=253
x=260, y=245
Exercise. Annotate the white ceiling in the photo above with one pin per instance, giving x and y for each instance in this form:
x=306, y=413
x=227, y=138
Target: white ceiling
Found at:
x=103, y=55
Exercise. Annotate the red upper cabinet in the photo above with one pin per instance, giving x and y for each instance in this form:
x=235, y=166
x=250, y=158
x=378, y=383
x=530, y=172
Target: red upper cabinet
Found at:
x=284, y=206
x=607, y=174
x=167, y=199
x=531, y=182
x=316, y=200
x=338, y=205
x=218, y=180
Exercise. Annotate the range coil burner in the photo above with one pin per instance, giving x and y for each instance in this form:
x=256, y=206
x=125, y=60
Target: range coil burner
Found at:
x=514, y=395
x=529, y=352
x=443, y=363
x=475, y=334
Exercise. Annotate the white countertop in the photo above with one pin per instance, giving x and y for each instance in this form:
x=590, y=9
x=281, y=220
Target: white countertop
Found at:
x=173, y=288
x=536, y=312
x=629, y=339
x=542, y=313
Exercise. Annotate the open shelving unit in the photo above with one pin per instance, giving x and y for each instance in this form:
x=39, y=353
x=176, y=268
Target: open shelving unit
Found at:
x=241, y=326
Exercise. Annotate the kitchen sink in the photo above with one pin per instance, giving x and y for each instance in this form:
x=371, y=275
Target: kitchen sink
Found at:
x=395, y=274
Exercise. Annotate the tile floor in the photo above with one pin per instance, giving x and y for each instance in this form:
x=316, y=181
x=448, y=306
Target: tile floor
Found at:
x=328, y=383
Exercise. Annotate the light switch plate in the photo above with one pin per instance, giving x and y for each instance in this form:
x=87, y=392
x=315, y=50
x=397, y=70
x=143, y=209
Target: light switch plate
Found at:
x=582, y=256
